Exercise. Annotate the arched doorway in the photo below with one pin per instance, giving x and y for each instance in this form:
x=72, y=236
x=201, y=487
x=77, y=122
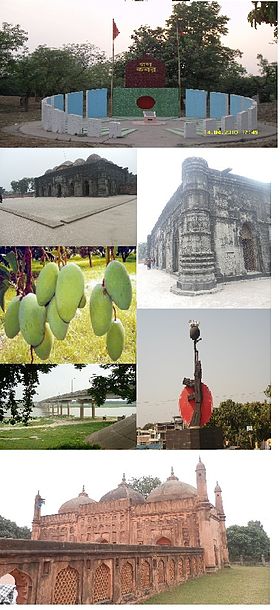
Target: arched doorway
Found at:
x=71, y=189
x=49, y=191
x=248, y=248
x=59, y=190
x=175, y=252
x=164, y=541
x=86, y=188
x=163, y=257
x=23, y=585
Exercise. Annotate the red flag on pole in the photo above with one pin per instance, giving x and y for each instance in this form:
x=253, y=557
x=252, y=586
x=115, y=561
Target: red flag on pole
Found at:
x=115, y=30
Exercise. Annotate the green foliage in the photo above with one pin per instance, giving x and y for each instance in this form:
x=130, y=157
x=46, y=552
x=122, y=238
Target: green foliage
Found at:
x=203, y=57
x=249, y=542
x=142, y=251
x=10, y=377
x=264, y=12
x=80, y=343
x=234, y=418
x=121, y=381
x=144, y=484
x=23, y=186
x=12, y=40
x=9, y=529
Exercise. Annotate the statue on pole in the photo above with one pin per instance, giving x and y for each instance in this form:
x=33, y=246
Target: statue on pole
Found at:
x=195, y=400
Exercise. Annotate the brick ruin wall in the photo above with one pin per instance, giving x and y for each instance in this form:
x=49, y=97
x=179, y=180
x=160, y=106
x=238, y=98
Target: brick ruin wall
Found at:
x=98, y=179
x=65, y=573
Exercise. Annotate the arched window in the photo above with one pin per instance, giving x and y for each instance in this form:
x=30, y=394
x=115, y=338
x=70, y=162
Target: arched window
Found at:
x=126, y=578
x=102, y=591
x=66, y=587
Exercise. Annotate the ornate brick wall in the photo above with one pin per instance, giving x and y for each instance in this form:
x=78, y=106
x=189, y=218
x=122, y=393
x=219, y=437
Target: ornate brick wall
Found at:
x=99, y=178
x=215, y=227
x=71, y=573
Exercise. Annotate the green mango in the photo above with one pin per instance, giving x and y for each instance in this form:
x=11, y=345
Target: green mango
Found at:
x=69, y=291
x=101, y=310
x=11, y=321
x=115, y=340
x=58, y=326
x=118, y=284
x=82, y=302
x=32, y=318
x=44, y=349
x=46, y=283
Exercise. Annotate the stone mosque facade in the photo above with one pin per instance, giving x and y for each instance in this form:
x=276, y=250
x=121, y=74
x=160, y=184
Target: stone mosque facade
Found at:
x=174, y=514
x=95, y=177
x=121, y=550
x=215, y=228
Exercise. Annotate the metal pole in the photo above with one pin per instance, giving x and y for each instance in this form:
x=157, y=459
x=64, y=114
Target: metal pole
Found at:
x=112, y=75
x=179, y=67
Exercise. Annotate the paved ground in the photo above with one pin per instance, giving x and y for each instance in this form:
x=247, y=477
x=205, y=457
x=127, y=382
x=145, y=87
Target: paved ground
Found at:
x=166, y=133
x=74, y=221
x=153, y=291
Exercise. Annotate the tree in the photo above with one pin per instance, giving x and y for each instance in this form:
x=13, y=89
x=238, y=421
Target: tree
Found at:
x=264, y=12
x=22, y=186
x=142, y=251
x=203, y=57
x=28, y=376
x=9, y=529
x=121, y=381
x=144, y=484
x=48, y=71
x=12, y=41
x=268, y=82
x=234, y=418
x=250, y=542
x=2, y=190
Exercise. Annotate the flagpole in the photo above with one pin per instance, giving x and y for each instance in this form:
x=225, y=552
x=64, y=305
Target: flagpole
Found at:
x=112, y=75
x=179, y=67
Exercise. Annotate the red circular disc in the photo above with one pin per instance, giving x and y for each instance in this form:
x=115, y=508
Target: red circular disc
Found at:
x=187, y=406
x=145, y=102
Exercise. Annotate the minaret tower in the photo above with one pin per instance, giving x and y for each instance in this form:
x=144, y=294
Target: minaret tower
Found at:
x=201, y=482
x=197, y=263
x=37, y=516
x=222, y=518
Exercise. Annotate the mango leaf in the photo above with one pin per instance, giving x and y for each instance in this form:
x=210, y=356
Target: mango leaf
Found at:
x=4, y=271
x=12, y=260
x=3, y=290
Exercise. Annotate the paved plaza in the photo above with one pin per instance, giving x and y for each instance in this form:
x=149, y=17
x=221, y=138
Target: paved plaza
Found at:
x=165, y=132
x=153, y=291
x=71, y=221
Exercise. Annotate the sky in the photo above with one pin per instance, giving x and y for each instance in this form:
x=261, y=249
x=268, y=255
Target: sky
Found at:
x=244, y=477
x=56, y=23
x=17, y=163
x=160, y=174
x=63, y=379
x=234, y=352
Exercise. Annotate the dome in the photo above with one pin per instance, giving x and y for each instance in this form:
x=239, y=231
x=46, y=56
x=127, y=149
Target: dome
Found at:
x=79, y=162
x=48, y=171
x=92, y=158
x=63, y=165
x=73, y=505
x=123, y=491
x=172, y=489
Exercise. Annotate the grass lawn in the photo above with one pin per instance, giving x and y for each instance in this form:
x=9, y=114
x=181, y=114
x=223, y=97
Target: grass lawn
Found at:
x=236, y=585
x=61, y=437
x=80, y=346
